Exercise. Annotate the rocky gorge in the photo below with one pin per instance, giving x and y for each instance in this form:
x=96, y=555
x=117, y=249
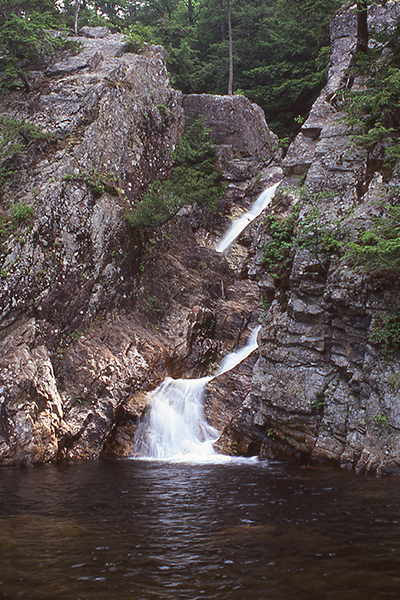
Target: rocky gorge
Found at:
x=93, y=315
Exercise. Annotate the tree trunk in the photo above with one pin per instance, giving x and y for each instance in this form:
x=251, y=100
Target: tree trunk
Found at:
x=77, y=3
x=221, y=13
x=362, y=26
x=230, y=83
x=190, y=7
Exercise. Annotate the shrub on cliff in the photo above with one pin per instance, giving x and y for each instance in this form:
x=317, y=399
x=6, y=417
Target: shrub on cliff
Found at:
x=23, y=38
x=374, y=107
x=14, y=136
x=194, y=179
x=380, y=245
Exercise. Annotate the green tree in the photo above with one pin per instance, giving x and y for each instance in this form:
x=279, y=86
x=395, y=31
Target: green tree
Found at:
x=194, y=179
x=24, y=36
x=374, y=108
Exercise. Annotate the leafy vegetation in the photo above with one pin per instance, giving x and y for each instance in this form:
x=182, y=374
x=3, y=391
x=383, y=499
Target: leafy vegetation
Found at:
x=20, y=214
x=194, y=179
x=386, y=333
x=138, y=37
x=381, y=419
x=277, y=248
x=14, y=137
x=319, y=401
x=25, y=35
x=373, y=109
x=313, y=233
x=98, y=182
x=379, y=246
x=280, y=47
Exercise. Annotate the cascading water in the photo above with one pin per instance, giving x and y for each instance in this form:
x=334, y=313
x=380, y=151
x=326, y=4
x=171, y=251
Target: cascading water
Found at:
x=176, y=428
x=237, y=226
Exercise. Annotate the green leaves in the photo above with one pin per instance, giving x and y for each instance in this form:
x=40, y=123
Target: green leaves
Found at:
x=386, y=332
x=379, y=246
x=194, y=180
x=14, y=135
x=313, y=232
x=24, y=38
x=138, y=37
x=282, y=239
x=374, y=108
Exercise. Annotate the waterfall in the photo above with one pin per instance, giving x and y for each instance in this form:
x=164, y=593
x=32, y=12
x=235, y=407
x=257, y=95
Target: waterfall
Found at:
x=237, y=226
x=175, y=427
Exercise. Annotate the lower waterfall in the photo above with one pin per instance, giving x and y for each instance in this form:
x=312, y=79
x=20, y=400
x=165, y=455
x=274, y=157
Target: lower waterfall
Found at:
x=175, y=427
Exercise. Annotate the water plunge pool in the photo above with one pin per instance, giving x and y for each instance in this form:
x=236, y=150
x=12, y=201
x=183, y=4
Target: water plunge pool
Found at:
x=138, y=530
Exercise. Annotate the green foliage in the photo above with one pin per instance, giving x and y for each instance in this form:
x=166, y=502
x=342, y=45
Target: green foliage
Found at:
x=281, y=47
x=99, y=183
x=281, y=50
x=374, y=108
x=194, y=179
x=14, y=136
x=20, y=213
x=381, y=420
x=376, y=248
x=138, y=37
x=277, y=248
x=380, y=245
x=386, y=332
x=151, y=305
x=319, y=401
x=23, y=37
x=320, y=237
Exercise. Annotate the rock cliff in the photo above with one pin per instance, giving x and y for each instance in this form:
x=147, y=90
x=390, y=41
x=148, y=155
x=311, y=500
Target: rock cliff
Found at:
x=321, y=388
x=92, y=313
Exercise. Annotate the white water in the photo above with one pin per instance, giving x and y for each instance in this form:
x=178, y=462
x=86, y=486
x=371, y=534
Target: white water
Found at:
x=176, y=428
x=237, y=226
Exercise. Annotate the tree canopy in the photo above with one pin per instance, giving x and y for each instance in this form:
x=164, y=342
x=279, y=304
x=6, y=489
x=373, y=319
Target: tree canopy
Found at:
x=279, y=47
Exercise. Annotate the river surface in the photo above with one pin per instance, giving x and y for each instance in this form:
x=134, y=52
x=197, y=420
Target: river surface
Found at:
x=146, y=530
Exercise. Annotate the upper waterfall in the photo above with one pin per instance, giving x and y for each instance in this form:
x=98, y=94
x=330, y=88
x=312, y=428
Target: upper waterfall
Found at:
x=239, y=224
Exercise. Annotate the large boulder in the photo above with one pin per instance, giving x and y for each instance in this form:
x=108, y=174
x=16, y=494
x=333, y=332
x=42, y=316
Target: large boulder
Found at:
x=239, y=130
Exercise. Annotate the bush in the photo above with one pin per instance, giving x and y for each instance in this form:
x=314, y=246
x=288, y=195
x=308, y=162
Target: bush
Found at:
x=374, y=108
x=194, y=179
x=278, y=247
x=386, y=332
x=14, y=135
x=138, y=37
x=21, y=38
x=20, y=213
x=380, y=245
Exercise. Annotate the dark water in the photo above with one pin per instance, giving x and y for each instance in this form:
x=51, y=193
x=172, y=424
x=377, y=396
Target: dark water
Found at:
x=135, y=530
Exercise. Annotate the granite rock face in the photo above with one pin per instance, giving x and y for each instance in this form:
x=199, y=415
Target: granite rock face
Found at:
x=321, y=389
x=239, y=130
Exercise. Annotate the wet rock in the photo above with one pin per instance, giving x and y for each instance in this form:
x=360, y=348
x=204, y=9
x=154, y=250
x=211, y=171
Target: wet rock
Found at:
x=91, y=313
